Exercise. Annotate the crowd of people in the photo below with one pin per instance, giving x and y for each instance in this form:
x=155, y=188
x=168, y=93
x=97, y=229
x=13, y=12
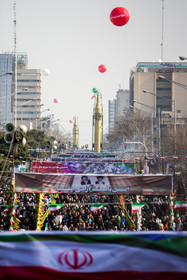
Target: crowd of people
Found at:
x=76, y=214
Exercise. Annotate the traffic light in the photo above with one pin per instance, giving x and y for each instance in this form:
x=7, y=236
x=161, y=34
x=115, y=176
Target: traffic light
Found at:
x=9, y=137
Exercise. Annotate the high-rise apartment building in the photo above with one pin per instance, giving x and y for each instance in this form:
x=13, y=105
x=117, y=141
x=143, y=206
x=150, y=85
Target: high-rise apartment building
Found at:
x=28, y=93
x=6, y=75
x=111, y=114
x=116, y=106
x=23, y=101
x=160, y=87
x=122, y=101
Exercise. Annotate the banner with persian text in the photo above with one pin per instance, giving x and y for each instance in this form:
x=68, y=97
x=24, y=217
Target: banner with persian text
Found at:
x=94, y=183
x=83, y=167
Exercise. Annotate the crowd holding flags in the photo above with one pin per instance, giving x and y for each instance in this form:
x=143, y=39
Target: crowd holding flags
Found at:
x=96, y=207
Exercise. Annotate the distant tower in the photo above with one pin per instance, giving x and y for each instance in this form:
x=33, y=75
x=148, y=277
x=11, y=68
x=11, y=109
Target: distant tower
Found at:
x=98, y=125
x=75, y=134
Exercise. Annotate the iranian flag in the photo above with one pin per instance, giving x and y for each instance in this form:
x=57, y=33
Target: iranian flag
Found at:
x=93, y=255
x=137, y=207
x=54, y=207
x=8, y=208
x=180, y=205
x=96, y=207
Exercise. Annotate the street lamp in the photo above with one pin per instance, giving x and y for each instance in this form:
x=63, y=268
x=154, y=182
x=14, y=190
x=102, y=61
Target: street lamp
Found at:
x=150, y=114
x=7, y=73
x=48, y=118
x=183, y=58
x=166, y=100
x=153, y=108
x=56, y=120
x=171, y=81
x=143, y=111
x=38, y=106
x=39, y=118
x=45, y=110
x=20, y=106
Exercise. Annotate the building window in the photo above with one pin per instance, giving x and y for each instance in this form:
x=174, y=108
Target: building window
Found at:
x=28, y=81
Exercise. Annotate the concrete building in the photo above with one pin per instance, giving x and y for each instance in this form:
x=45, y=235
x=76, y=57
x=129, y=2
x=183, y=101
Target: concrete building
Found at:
x=28, y=93
x=20, y=101
x=159, y=87
x=6, y=75
x=111, y=113
x=116, y=106
x=122, y=101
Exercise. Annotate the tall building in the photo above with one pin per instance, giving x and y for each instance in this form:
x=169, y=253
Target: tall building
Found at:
x=28, y=93
x=122, y=101
x=111, y=114
x=116, y=107
x=23, y=102
x=159, y=87
x=6, y=75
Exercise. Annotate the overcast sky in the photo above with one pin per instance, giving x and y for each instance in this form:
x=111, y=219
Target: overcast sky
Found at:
x=72, y=38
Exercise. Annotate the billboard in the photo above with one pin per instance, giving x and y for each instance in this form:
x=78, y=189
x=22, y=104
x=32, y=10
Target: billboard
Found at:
x=84, y=167
x=94, y=183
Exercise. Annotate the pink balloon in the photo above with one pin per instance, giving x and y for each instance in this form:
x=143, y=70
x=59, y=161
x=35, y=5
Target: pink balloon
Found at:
x=70, y=121
x=55, y=100
x=102, y=68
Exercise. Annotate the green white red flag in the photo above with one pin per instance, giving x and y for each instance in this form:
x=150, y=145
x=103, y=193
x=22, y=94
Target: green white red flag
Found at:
x=54, y=207
x=8, y=208
x=137, y=207
x=96, y=207
x=93, y=255
x=180, y=205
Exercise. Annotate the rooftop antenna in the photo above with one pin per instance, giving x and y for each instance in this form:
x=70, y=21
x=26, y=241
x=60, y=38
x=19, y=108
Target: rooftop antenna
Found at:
x=162, y=40
x=15, y=69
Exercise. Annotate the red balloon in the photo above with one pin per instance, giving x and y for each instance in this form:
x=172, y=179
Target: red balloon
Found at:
x=55, y=100
x=102, y=68
x=70, y=121
x=119, y=16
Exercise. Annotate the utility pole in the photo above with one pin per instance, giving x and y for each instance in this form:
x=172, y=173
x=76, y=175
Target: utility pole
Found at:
x=162, y=39
x=14, y=98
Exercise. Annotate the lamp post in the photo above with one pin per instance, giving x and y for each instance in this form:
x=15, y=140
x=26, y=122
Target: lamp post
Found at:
x=45, y=110
x=171, y=81
x=166, y=100
x=7, y=73
x=40, y=118
x=20, y=106
x=152, y=108
x=169, y=101
x=40, y=113
x=48, y=118
x=43, y=122
x=182, y=57
x=142, y=144
x=132, y=108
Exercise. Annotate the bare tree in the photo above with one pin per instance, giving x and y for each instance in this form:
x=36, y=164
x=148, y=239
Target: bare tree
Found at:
x=131, y=127
x=174, y=147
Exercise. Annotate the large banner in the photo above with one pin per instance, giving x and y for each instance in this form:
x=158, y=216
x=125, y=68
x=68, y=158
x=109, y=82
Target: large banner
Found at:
x=47, y=167
x=101, y=184
x=93, y=255
x=85, y=167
